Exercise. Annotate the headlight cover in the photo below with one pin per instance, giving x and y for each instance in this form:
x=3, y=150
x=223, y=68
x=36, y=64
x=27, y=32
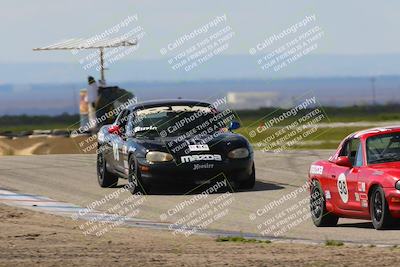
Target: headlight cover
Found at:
x=239, y=153
x=156, y=156
x=397, y=185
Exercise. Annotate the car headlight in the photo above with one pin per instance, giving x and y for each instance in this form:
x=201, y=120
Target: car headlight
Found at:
x=156, y=156
x=239, y=153
x=397, y=185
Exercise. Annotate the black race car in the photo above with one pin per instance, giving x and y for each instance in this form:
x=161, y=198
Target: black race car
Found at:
x=173, y=141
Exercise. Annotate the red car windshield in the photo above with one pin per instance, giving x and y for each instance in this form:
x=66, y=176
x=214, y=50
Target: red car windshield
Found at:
x=383, y=148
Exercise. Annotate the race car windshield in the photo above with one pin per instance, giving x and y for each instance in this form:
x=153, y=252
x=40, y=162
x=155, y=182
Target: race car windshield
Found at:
x=383, y=148
x=176, y=120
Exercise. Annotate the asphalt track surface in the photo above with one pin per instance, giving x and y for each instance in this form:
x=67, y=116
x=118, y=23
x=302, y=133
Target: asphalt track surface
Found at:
x=72, y=178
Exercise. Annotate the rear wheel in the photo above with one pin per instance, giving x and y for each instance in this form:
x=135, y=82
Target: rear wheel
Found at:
x=319, y=214
x=379, y=210
x=104, y=177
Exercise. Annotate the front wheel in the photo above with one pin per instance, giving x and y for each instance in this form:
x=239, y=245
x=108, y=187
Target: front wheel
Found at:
x=251, y=181
x=104, y=177
x=134, y=177
x=319, y=214
x=379, y=210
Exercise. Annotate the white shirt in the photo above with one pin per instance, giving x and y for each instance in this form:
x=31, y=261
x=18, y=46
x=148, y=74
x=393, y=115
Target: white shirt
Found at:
x=92, y=91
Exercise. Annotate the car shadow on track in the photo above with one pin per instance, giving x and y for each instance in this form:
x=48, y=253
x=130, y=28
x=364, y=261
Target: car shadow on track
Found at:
x=365, y=225
x=264, y=186
x=168, y=189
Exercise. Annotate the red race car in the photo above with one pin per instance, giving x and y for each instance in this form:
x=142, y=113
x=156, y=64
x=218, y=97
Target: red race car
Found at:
x=360, y=181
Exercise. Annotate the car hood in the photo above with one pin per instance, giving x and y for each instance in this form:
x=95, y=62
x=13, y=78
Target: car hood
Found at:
x=221, y=144
x=390, y=171
x=388, y=166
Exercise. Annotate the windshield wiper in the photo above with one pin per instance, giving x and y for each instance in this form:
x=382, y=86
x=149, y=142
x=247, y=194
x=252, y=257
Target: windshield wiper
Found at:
x=145, y=132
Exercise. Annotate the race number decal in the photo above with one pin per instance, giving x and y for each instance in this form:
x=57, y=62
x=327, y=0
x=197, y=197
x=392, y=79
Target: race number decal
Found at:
x=200, y=147
x=342, y=188
x=115, y=150
x=316, y=169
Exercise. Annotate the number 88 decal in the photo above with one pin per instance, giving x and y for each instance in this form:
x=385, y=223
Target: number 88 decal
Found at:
x=342, y=188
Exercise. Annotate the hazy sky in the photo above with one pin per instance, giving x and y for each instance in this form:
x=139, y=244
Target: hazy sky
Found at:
x=351, y=27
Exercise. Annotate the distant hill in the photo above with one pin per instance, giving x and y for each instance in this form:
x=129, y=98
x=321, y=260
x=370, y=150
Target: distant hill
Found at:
x=53, y=99
x=238, y=67
x=53, y=88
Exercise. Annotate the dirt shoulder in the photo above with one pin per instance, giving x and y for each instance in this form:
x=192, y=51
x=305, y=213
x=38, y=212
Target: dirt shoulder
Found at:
x=30, y=238
x=47, y=145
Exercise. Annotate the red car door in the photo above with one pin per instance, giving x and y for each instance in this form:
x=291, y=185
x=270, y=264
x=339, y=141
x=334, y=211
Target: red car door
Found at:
x=345, y=179
x=355, y=199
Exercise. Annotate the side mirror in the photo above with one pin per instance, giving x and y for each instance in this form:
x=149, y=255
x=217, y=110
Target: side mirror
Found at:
x=344, y=161
x=234, y=125
x=114, y=129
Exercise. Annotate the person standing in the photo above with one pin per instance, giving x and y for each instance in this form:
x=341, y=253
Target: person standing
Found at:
x=92, y=93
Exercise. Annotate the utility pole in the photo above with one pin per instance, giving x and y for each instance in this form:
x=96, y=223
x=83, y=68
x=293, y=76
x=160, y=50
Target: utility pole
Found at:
x=102, y=64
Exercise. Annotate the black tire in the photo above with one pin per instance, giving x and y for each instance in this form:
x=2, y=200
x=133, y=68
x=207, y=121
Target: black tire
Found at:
x=134, y=178
x=379, y=210
x=320, y=216
x=251, y=181
x=104, y=177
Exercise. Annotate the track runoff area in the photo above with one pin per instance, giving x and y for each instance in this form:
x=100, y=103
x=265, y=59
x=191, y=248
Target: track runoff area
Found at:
x=276, y=209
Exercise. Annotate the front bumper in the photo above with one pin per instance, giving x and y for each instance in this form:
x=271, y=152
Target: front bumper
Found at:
x=198, y=172
x=393, y=199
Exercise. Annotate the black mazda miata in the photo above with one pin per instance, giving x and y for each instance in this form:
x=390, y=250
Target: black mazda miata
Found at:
x=173, y=141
